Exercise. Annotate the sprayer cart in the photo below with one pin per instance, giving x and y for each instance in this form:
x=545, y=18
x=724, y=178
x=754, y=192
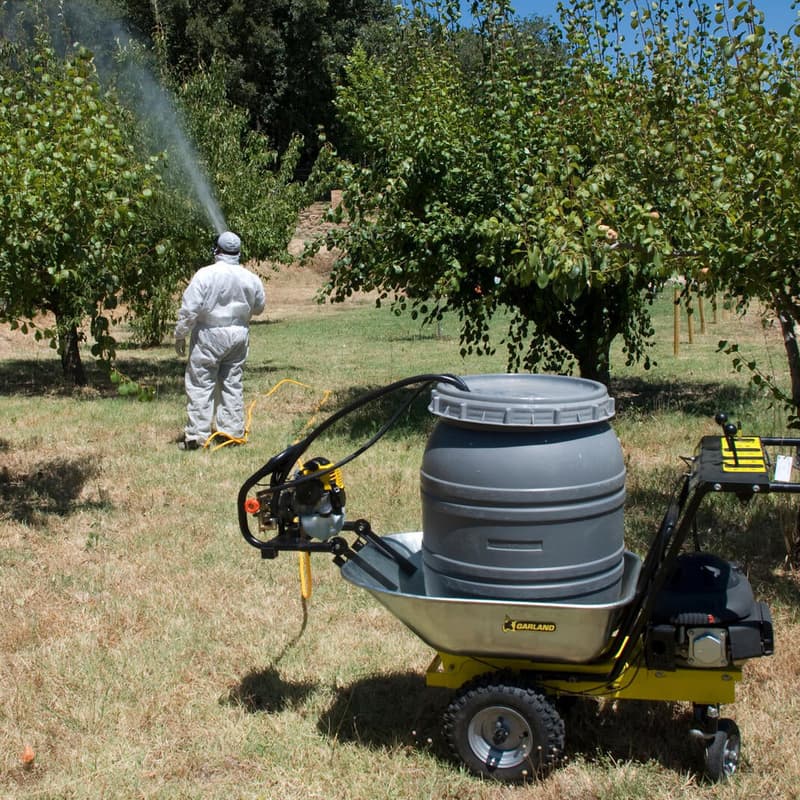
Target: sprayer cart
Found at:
x=520, y=580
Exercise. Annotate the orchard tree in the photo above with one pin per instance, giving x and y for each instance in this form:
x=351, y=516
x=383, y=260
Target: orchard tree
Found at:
x=730, y=112
x=530, y=186
x=753, y=250
x=72, y=192
x=567, y=190
x=253, y=183
x=97, y=229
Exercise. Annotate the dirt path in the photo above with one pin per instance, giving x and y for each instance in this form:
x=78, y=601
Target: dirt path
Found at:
x=292, y=288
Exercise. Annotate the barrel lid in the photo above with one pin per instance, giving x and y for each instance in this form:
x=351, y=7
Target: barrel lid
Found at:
x=523, y=401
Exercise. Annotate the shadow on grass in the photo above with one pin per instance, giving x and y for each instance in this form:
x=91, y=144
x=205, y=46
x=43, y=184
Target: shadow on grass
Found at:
x=701, y=399
x=425, y=334
x=168, y=376
x=265, y=691
x=633, y=731
x=46, y=487
x=370, y=713
x=391, y=710
x=634, y=394
x=32, y=377
x=410, y=403
x=39, y=378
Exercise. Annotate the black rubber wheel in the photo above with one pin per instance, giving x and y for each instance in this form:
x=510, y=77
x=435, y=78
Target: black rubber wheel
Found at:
x=722, y=751
x=505, y=731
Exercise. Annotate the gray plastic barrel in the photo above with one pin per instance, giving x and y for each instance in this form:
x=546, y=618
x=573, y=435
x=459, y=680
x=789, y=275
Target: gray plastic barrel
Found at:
x=522, y=487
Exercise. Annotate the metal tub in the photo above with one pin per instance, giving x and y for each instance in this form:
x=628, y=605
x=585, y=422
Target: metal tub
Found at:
x=564, y=632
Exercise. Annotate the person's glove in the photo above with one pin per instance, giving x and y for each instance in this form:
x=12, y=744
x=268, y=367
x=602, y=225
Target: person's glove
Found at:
x=180, y=346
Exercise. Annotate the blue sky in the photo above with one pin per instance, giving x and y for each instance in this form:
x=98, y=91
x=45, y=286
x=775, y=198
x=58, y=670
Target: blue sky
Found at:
x=778, y=13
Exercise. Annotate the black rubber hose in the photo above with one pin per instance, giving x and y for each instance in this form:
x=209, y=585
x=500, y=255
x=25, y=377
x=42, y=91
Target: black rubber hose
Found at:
x=279, y=465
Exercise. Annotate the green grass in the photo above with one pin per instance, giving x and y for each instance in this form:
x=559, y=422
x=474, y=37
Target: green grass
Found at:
x=147, y=652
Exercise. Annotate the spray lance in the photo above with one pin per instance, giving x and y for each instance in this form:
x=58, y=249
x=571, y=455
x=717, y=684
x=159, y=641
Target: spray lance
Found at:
x=304, y=511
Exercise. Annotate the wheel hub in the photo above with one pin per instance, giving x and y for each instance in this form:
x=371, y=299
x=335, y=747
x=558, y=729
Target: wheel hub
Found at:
x=500, y=737
x=730, y=758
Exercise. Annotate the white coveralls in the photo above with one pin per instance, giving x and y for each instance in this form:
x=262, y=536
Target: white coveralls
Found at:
x=216, y=309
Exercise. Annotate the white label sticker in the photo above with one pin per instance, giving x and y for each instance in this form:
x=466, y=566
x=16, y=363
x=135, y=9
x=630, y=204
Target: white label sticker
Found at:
x=783, y=469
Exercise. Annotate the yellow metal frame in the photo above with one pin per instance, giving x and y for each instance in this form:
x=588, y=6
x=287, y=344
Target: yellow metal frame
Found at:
x=635, y=681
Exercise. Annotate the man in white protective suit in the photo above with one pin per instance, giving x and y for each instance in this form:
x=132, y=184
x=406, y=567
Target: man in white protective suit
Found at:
x=216, y=310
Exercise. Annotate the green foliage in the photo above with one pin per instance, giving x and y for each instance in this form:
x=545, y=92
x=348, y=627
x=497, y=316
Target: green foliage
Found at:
x=73, y=192
x=730, y=202
x=753, y=249
x=128, y=387
x=566, y=185
x=81, y=167
x=253, y=182
x=528, y=186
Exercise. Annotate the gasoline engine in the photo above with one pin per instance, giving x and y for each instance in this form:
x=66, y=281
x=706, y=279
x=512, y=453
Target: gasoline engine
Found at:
x=705, y=616
x=312, y=506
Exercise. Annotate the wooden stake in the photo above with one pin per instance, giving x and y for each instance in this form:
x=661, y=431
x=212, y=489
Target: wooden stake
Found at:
x=701, y=311
x=676, y=322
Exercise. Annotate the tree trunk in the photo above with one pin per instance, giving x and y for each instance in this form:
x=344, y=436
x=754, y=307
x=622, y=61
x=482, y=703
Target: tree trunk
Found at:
x=69, y=349
x=787, y=320
x=588, y=333
x=588, y=342
x=594, y=364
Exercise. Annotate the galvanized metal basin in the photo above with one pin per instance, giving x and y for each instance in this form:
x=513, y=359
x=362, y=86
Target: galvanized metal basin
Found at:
x=568, y=632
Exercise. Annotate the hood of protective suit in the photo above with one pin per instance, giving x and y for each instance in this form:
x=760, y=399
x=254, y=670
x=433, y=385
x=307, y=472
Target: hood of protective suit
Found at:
x=228, y=247
x=228, y=258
